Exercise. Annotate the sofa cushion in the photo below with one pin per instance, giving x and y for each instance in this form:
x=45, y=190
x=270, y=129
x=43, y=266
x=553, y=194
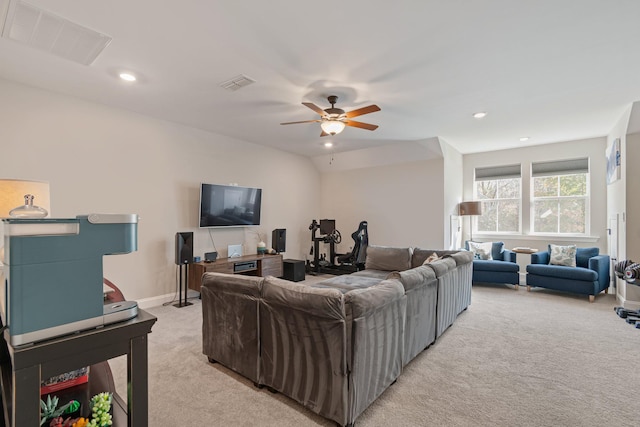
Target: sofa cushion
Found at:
x=433, y=257
x=370, y=299
x=376, y=274
x=387, y=258
x=414, y=277
x=492, y=265
x=583, y=255
x=562, y=272
x=420, y=255
x=462, y=257
x=321, y=302
x=442, y=266
x=236, y=284
x=347, y=282
x=481, y=250
x=562, y=255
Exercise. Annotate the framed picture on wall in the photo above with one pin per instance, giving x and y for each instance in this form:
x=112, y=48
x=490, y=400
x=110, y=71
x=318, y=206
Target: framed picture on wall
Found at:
x=613, y=162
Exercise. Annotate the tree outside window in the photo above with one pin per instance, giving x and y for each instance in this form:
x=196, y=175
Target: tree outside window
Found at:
x=560, y=204
x=500, y=205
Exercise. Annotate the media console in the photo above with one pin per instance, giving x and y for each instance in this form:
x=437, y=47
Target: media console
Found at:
x=254, y=265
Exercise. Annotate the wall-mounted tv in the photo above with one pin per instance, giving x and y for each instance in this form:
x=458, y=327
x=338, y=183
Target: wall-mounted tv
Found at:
x=229, y=205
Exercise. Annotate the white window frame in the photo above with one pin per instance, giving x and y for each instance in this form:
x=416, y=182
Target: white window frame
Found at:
x=557, y=169
x=498, y=173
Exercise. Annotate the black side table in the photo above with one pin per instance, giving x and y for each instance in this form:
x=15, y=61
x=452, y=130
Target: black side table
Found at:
x=23, y=367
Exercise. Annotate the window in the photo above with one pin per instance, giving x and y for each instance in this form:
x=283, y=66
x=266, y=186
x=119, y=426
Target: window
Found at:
x=560, y=197
x=499, y=190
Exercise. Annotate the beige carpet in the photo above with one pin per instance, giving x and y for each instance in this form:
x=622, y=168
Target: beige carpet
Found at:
x=512, y=359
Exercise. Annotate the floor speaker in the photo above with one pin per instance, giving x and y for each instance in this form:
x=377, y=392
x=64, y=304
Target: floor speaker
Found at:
x=279, y=239
x=184, y=248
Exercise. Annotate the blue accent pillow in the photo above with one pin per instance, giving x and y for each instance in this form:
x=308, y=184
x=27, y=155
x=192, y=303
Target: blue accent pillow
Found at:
x=496, y=251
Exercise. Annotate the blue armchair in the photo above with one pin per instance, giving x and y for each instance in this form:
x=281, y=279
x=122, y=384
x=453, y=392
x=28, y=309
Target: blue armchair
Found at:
x=502, y=268
x=590, y=276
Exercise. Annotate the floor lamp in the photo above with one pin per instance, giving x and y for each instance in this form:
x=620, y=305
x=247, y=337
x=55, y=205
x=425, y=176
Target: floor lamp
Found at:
x=470, y=209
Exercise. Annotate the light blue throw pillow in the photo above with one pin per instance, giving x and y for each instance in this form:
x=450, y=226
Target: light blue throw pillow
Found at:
x=562, y=255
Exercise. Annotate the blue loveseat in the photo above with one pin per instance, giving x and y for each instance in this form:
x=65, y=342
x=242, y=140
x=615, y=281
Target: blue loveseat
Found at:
x=502, y=268
x=590, y=276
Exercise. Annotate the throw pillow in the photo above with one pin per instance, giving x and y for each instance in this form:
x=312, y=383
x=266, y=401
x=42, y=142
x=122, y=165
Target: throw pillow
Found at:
x=481, y=250
x=562, y=255
x=497, y=250
x=433, y=257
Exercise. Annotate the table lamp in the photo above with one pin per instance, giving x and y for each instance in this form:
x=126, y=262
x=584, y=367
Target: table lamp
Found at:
x=17, y=198
x=472, y=208
x=24, y=199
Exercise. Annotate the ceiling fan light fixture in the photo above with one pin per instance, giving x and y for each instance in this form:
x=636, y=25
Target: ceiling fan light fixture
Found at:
x=332, y=127
x=127, y=77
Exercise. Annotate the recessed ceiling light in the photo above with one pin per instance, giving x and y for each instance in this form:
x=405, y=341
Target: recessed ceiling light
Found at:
x=128, y=77
x=328, y=144
x=479, y=114
x=524, y=138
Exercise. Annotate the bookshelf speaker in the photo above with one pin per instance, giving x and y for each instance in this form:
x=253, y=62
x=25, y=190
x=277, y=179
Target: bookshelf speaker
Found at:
x=184, y=248
x=278, y=239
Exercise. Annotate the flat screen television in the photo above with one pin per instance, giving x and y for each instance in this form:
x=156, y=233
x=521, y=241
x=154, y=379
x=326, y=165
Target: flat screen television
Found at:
x=229, y=205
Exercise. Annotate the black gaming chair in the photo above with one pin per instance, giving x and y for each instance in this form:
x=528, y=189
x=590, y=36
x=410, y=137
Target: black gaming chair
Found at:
x=358, y=254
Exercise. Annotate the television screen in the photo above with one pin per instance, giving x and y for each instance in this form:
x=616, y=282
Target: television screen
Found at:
x=229, y=206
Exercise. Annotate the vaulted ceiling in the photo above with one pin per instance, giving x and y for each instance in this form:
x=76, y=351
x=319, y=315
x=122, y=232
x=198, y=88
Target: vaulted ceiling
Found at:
x=545, y=69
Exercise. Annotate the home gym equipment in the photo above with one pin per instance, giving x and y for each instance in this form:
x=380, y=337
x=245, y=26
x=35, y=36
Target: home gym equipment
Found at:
x=336, y=263
x=630, y=272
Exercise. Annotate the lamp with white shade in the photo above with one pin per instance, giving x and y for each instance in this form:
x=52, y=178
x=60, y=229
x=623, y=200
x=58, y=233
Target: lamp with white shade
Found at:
x=472, y=208
x=23, y=199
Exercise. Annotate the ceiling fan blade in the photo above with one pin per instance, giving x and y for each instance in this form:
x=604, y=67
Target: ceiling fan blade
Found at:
x=360, y=125
x=315, y=108
x=363, y=110
x=323, y=133
x=304, y=121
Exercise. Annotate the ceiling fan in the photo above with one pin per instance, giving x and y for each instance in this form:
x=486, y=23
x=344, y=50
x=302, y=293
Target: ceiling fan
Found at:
x=333, y=120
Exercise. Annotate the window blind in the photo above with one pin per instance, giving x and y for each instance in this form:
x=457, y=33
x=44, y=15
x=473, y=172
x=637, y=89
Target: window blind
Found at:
x=498, y=172
x=560, y=167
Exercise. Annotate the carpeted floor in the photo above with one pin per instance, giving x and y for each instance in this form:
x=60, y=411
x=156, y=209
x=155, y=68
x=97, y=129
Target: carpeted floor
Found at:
x=512, y=359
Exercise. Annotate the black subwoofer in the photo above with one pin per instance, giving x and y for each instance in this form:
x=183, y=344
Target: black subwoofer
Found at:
x=293, y=270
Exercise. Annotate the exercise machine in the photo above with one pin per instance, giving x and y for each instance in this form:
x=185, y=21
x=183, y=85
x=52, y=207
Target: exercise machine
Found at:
x=630, y=272
x=336, y=263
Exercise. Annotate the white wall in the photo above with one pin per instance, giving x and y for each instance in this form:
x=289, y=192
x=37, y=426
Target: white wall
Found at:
x=101, y=159
x=633, y=211
x=403, y=203
x=453, y=186
x=593, y=148
x=616, y=194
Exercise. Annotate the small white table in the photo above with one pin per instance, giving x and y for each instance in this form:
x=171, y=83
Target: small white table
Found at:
x=523, y=258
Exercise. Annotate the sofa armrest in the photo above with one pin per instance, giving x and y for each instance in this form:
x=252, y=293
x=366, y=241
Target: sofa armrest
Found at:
x=600, y=264
x=541, y=257
x=508, y=255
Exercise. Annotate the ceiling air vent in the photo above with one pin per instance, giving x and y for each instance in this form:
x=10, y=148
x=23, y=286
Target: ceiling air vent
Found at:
x=237, y=82
x=43, y=30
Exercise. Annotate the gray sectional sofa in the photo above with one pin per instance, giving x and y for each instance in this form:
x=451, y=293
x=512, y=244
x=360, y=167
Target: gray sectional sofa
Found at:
x=336, y=345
